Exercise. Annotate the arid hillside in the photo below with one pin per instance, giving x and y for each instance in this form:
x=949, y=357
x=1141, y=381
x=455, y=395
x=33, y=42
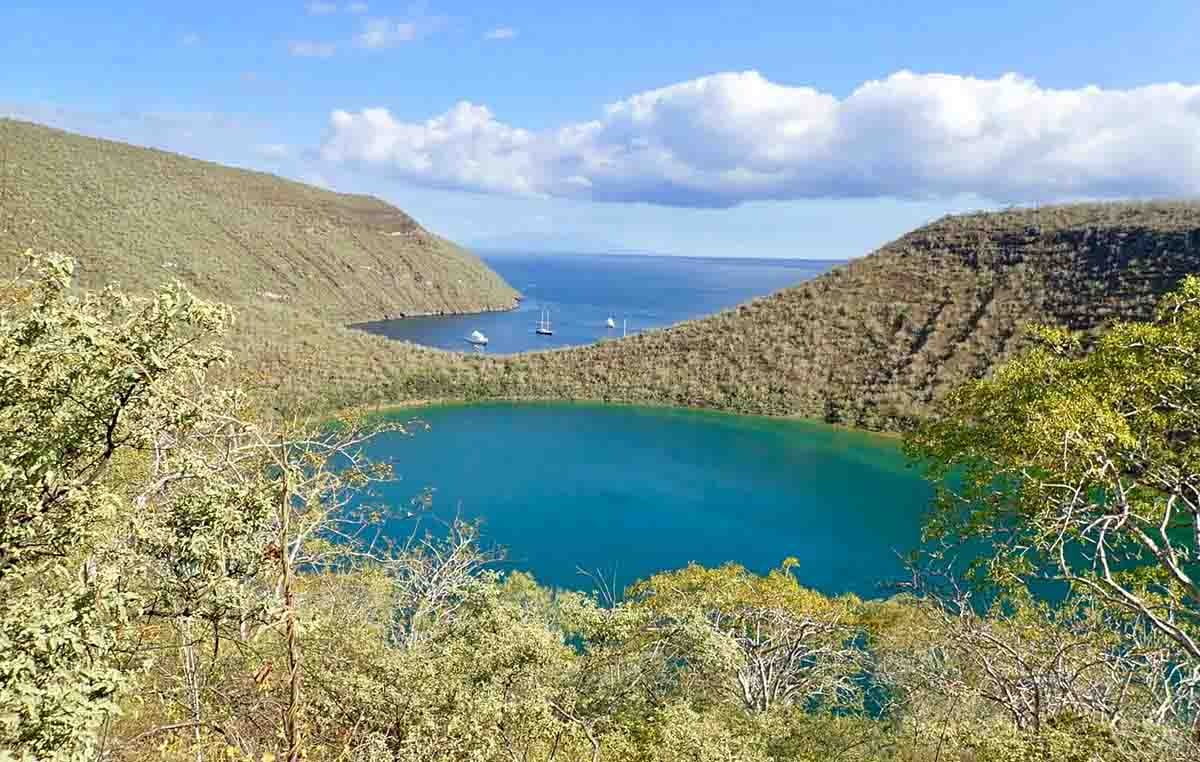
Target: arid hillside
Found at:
x=139, y=216
x=297, y=263
x=874, y=342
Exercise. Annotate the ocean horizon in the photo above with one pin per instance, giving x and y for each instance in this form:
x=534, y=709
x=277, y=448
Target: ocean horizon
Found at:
x=581, y=291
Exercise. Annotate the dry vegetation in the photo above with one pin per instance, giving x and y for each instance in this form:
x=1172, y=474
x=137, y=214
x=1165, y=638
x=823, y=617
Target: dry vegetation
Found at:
x=297, y=263
x=874, y=342
x=871, y=343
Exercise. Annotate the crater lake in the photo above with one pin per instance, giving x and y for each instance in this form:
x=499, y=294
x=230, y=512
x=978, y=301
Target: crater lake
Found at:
x=624, y=491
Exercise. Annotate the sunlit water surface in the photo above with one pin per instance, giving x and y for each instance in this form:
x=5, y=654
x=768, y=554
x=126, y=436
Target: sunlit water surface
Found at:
x=581, y=291
x=628, y=491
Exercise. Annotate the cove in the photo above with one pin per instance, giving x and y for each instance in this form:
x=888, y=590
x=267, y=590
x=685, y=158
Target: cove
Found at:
x=629, y=491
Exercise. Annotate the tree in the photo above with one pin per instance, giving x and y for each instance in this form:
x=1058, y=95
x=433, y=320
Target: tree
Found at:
x=1030, y=662
x=136, y=493
x=81, y=380
x=1082, y=464
x=796, y=647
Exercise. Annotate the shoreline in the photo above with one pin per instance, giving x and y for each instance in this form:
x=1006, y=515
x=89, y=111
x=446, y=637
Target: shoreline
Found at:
x=386, y=407
x=406, y=315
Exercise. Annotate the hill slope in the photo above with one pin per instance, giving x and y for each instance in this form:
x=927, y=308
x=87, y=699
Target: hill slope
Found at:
x=140, y=216
x=875, y=341
x=870, y=344
x=296, y=262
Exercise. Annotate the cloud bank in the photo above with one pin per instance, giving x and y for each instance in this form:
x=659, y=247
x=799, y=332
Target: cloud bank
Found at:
x=721, y=140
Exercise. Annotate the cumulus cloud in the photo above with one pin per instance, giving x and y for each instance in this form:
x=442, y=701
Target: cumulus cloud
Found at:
x=733, y=137
x=500, y=33
x=309, y=49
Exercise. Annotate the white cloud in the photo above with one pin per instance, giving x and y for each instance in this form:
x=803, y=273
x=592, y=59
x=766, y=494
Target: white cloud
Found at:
x=319, y=8
x=734, y=137
x=190, y=40
x=356, y=8
x=464, y=148
x=501, y=33
x=385, y=33
x=381, y=33
x=309, y=49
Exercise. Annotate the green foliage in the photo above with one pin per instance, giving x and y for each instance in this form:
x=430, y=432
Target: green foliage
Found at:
x=148, y=529
x=793, y=646
x=1085, y=466
x=82, y=379
x=151, y=529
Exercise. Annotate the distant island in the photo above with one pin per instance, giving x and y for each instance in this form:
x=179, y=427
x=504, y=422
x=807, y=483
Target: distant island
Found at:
x=551, y=242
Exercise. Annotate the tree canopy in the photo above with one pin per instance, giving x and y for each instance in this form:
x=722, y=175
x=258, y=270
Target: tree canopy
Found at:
x=182, y=578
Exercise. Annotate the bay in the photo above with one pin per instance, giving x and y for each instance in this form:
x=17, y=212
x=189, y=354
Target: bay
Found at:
x=627, y=491
x=581, y=291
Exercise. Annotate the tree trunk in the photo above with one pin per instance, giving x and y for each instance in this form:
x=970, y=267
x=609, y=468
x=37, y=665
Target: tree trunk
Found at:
x=291, y=730
x=191, y=676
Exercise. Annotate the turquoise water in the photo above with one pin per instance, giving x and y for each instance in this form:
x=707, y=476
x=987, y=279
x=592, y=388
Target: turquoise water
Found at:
x=582, y=290
x=628, y=491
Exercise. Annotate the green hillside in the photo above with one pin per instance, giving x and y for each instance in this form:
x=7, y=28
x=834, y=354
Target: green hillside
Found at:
x=296, y=262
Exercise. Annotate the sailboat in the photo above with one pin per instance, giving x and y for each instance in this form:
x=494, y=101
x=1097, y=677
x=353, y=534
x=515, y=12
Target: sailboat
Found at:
x=610, y=323
x=543, y=326
x=478, y=339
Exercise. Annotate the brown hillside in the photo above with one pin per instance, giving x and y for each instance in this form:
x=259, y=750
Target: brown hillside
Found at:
x=139, y=216
x=877, y=340
x=297, y=263
x=871, y=343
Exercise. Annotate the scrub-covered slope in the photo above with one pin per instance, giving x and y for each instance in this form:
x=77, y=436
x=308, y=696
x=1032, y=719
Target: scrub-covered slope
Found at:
x=297, y=263
x=139, y=216
x=877, y=340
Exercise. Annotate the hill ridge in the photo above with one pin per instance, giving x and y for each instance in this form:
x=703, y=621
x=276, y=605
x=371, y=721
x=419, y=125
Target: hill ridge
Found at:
x=873, y=343
x=140, y=215
x=876, y=341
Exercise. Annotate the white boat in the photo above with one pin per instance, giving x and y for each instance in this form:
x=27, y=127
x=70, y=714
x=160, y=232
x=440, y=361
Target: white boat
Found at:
x=610, y=323
x=478, y=339
x=543, y=326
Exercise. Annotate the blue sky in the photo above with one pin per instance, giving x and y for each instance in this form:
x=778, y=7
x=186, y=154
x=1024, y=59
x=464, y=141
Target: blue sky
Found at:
x=741, y=129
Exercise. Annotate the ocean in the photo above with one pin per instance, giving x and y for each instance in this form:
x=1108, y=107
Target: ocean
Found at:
x=581, y=291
